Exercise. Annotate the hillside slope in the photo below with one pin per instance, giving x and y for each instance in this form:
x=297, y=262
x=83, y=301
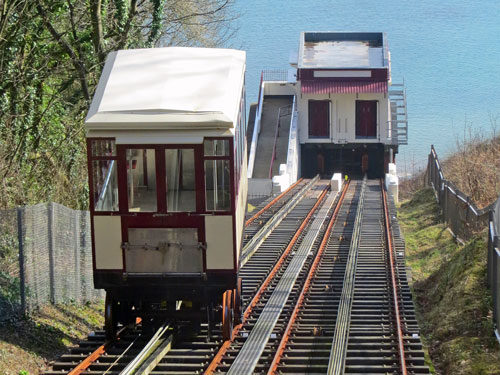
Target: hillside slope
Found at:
x=449, y=285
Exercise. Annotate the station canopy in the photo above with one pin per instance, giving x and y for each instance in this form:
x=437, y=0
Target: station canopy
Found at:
x=168, y=88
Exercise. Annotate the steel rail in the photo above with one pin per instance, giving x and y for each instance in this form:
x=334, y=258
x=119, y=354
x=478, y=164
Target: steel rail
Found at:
x=336, y=363
x=267, y=206
x=286, y=335
x=222, y=351
x=96, y=354
x=390, y=250
x=253, y=347
x=146, y=352
x=267, y=229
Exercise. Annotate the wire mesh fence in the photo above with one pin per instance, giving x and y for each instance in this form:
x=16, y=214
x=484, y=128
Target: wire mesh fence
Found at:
x=46, y=257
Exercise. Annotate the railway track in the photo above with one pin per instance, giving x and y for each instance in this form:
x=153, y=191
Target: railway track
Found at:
x=324, y=291
x=191, y=349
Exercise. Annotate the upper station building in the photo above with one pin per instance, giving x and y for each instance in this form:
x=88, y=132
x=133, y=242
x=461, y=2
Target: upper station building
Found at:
x=333, y=111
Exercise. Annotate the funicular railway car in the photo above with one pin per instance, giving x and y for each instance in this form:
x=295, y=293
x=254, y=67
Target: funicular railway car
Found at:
x=167, y=174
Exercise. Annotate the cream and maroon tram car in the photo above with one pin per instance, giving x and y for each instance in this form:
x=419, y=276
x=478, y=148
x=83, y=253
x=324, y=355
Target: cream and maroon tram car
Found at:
x=167, y=174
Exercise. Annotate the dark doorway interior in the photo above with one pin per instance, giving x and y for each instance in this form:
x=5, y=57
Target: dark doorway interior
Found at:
x=326, y=160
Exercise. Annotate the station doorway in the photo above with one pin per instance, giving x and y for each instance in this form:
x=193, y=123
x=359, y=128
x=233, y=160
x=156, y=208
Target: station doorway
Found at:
x=326, y=160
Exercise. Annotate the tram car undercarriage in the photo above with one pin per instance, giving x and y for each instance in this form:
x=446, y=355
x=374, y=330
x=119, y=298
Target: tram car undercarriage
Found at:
x=168, y=185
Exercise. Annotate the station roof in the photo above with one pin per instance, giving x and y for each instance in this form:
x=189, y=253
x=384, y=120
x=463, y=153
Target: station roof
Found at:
x=342, y=50
x=168, y=88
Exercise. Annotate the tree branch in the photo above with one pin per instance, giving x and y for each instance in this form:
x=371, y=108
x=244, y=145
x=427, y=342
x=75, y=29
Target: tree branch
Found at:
x=77, y=63
x=97, y=35
x=128, y=25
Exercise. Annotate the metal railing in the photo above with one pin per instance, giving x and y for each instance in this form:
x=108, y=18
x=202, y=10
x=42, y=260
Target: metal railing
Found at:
x=282, y=112
x=464, y=219
x=256, y=128
x=494, y=262
x=397, y=125
x=460, y=213
x=275, y=75
x=292, y=157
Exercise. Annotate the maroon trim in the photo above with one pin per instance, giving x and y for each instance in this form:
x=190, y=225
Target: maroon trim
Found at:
x=161, y=180
x=376, y=75
x=92, y=239
x=217, y=157
x=343, y=87
x=122, y=193
x=220, y=271
x=90, y=172
x=90, y=176
x=229, y=157
x=199, y=170
x=145, y=167
x=232, y=165
x=107, y=270
x=89, y=148
x=173, y=220
x=366, y=118
x=318, y=116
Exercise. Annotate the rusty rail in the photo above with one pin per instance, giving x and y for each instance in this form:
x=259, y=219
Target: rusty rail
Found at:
x=281, y=348
x=96, y=354
x=254, y=217
x=388, y=233
x=222, y=351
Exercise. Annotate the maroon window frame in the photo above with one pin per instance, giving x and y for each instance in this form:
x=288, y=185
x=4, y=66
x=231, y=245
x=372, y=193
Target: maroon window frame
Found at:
x=366, y=118
x=90, y=160
x=319, y=118
x=232, y=183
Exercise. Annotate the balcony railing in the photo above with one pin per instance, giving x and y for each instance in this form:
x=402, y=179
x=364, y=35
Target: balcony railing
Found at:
x=275, y=75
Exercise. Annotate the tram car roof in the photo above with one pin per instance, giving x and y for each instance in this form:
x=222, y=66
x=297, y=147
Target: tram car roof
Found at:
x=168, y=88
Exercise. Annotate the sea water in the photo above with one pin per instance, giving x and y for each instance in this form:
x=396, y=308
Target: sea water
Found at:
x=448, y=53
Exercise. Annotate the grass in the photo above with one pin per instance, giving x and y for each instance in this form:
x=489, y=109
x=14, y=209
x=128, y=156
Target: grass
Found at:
x=27, y=346
x=449, y=285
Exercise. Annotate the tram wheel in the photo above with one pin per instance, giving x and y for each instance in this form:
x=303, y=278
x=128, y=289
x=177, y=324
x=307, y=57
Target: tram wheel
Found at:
x=126, y=317
x=227, y=315
x=110, y=321
x=237, y=303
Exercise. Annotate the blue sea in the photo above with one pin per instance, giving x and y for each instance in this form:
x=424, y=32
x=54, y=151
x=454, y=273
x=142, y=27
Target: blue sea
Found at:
x=447, y=52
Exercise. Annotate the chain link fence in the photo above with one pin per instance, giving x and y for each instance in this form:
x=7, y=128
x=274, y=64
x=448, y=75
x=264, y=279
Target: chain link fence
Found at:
x=46, y=257
x=460, y=214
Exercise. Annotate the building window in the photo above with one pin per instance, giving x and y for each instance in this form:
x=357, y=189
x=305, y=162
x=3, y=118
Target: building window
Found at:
x=180, y=174
x=141, y=180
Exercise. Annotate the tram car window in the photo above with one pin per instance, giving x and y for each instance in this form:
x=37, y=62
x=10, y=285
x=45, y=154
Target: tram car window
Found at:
x=167, y=177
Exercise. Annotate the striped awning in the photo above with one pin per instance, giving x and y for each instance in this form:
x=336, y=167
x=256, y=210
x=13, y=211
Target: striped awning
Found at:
x=343, y=87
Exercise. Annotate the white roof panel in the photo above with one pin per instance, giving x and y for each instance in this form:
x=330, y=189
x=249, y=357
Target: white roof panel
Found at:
x=168, y=88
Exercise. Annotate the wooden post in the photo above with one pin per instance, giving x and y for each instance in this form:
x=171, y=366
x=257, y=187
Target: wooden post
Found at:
x=22, y=278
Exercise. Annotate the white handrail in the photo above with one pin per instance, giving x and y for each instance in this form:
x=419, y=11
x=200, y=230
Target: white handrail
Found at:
x=256, y=131
x=293, y=141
